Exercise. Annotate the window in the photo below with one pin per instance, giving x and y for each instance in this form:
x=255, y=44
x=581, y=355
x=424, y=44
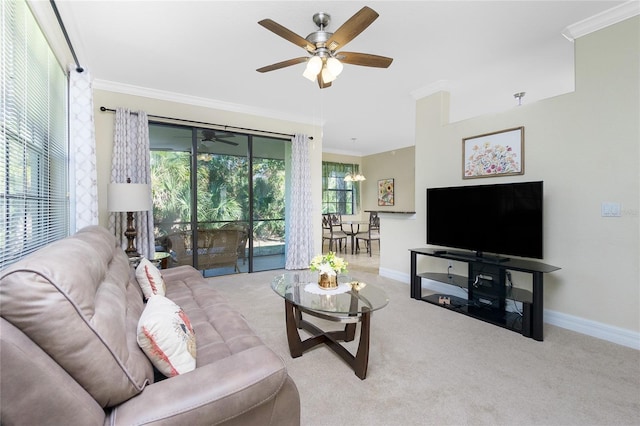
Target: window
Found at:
x=339, y=196
x=33, y=128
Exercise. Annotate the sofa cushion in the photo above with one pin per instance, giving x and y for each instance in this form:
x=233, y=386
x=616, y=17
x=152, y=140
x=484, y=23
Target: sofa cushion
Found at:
x=78, y=300
x=150, y=279
x=220, y=329
x=166, y=336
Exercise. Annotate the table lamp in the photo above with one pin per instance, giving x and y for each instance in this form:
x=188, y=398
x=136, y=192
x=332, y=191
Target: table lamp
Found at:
x=129, y=197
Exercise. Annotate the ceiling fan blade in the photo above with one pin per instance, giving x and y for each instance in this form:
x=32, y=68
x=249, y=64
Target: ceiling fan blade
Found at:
x=321, y=82
x=282, y=64
x=364, y=59
x=350, y=29
x=212, y=134
x=227, y=142
x=287, y=34
x=223, y=135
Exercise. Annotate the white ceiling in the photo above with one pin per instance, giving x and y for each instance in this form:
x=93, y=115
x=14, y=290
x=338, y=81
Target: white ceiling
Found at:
x=207, y=52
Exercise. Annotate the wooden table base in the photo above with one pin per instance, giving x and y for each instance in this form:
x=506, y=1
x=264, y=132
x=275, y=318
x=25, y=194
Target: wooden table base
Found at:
x=297, y=347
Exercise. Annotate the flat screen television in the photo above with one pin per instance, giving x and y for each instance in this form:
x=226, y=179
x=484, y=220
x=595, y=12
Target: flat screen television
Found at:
x=504, y=219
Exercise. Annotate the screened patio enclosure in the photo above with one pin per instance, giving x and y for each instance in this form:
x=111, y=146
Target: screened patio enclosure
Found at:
x=219, y=198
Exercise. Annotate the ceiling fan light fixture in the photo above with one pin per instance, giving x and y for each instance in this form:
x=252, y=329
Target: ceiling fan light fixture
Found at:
x=327, y=75
x=309, y=75
x=334, y=66
x=314, y=65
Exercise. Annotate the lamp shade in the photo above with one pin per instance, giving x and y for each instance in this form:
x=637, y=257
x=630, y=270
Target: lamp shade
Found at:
x=128, y=197
x=314, y=65
x=327, y=76
x=335, y=66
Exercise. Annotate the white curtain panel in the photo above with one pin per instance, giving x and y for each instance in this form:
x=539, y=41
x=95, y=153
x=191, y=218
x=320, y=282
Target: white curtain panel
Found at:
x=83, y=187
x=299, y=235
x=131, y=159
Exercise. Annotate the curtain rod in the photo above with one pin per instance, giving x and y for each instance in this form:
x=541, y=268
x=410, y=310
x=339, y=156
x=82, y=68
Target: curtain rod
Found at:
x=222, y=126
x=66, y=36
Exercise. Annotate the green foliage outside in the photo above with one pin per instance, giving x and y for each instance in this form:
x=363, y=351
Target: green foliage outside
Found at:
x=222, y=192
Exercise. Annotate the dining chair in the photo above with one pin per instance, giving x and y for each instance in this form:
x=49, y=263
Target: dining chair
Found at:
x=371, y=234
x=331, y=231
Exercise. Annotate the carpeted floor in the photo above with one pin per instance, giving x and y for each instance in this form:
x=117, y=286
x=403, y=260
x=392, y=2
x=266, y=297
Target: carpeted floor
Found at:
x=431, y=366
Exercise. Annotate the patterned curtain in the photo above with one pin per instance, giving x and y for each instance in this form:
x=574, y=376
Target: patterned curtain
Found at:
x=299, y=229
x=83, y=186
x=131, y=159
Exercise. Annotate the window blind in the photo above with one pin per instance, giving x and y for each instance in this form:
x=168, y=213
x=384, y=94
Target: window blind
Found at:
x=34, y=151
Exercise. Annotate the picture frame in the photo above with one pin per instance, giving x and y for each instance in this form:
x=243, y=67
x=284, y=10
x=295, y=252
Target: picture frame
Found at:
x=386, y=192
x=493, y=154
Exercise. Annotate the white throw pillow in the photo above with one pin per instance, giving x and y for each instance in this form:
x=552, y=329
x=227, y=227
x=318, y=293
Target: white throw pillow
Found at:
x=149, y=279
x=166, y=336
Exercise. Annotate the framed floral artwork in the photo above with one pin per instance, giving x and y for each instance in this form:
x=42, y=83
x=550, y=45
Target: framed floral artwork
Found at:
x=385, y=192
x=493, y=154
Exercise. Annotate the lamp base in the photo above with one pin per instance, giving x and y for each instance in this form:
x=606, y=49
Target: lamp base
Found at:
x=133, y=253
x=131, y=234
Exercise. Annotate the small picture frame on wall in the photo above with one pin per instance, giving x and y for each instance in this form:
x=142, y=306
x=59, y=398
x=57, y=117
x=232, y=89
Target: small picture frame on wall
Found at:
x=493, y=154
x=385, y=192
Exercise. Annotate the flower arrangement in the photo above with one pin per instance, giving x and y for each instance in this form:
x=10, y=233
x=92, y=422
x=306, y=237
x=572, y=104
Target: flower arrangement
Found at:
x=328, y=264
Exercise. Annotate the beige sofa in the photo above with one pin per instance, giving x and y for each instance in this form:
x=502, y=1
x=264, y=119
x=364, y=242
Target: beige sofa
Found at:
x=69, y=354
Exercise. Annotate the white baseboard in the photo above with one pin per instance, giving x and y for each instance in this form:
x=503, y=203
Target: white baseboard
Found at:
x=591, y=328
x=596, y=329
x=395, y=275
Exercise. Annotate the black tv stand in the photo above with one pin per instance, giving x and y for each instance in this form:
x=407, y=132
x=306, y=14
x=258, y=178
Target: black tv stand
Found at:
x=477, y=256
x=481, y=255
x=487, y=289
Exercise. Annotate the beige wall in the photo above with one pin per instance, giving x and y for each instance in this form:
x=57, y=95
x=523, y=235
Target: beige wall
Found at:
x=104, y=137
x=585, y=147
x=399, y=165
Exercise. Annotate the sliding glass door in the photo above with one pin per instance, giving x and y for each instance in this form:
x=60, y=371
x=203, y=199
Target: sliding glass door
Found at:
x=268, y=203
x=218, y=198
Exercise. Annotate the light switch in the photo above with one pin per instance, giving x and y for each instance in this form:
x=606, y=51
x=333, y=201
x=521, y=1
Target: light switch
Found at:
x=609, y=209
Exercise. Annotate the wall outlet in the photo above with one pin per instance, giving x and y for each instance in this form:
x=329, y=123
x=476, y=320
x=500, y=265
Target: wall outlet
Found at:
x=609, y=209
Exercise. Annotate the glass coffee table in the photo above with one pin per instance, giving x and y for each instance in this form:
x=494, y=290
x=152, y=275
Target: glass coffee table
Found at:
x=351, y=303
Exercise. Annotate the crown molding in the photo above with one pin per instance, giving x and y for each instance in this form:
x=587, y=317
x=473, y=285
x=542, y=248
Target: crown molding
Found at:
x=163, y=95
x=350, y=153
x=602, y=20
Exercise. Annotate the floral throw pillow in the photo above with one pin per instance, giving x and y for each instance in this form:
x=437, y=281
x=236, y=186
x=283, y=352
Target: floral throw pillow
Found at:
x=149, y=279
x=166, y=336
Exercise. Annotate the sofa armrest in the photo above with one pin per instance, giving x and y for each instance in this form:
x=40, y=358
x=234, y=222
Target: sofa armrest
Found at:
x=210, y=394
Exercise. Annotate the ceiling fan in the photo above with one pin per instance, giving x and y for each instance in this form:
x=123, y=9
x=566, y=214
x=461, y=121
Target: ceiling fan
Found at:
x=325, y=62
x=212, y=136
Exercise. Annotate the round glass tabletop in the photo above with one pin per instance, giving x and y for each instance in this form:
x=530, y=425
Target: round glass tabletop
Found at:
x=301, y=288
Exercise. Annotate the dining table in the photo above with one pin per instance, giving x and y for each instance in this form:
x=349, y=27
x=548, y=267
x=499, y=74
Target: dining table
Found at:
x=352, y=228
